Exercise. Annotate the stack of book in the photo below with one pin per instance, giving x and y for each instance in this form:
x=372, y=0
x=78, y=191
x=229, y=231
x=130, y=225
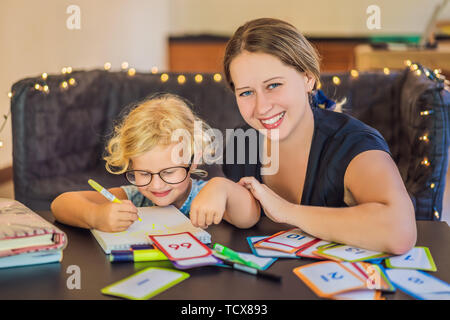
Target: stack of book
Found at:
x=26, y=238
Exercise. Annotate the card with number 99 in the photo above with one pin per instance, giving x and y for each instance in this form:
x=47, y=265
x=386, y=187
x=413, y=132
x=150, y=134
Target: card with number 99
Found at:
x=179, y=246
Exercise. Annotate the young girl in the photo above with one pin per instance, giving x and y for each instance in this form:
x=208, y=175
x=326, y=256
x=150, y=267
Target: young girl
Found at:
x=157, y=167
x=336, y=179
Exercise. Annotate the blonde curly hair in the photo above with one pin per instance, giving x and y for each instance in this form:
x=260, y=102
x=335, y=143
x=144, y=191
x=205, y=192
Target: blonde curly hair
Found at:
x=152, y=123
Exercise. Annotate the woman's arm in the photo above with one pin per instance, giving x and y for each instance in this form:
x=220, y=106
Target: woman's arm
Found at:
x=382, y=220
x=221, y=199
x=89, y=209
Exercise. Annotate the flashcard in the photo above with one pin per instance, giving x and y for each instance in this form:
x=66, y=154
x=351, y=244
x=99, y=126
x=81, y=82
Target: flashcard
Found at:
x=288, y=241
x=308, y=252
x=266, y=253
x=348, y=253
x=196, y=262
x=180, y=246
x=362, y=294
x=260, y=262
x=417, y=258
x=145, y=284
x=419, y=284
x=328, y=278
x=374, y=275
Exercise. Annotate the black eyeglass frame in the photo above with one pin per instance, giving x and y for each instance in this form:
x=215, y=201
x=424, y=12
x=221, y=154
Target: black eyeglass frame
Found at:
x=158, y=173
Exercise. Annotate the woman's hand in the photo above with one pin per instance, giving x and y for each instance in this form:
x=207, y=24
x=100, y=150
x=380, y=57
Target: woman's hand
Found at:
x=115, y=217
x=209, y=205
x=275, y=207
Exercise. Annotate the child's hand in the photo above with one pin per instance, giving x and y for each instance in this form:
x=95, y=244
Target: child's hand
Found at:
x=115, y=217
x=209, y=205
x=275, y=207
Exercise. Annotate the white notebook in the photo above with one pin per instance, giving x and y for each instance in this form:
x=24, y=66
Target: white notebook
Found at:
x=155, y=221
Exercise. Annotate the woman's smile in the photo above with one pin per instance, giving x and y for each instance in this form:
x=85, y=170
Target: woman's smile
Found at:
x=273, y=122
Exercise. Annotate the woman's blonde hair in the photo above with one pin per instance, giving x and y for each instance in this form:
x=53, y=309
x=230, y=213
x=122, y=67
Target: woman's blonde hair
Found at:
x=274, y=37
x=152, y=123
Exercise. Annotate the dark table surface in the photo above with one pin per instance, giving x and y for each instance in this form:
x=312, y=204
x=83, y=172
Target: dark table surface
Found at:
x=49, y=281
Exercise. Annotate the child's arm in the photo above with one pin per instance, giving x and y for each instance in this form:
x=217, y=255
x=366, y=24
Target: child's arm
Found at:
x=90, y=209
x=221, y=199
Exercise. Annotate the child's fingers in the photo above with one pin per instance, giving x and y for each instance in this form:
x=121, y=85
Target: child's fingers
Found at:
x=201, y=217
x=209, y=218
x=193, y=216
x=217, y=218
x=127, y=205
x=128, y=216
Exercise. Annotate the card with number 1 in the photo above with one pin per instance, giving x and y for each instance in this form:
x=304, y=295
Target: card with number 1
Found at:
x=179, y=246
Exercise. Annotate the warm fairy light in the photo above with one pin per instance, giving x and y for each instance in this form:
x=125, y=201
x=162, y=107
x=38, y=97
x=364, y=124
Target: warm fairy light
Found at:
x=425, y=162
x=319, y=85
x=414, y=67
x=10, y=95
x=46, y=89
x=418, y=72
x=437, y=71
x=37, y=86
x=124, y=65
x=64, y=84
x=72, y=81
x=44, y=76
x=107, y=66
x=1, y=143
x=69, y=70
x=432, y=186
x=154, y=70
x=198, y=78
x=408, y=63
x=354, y=73
x=217, y=77
x=424, y=138
x=131, y=72
x=386, y=70
x=336, y=80
x=64, y=70
x=181, y=79
x=425, y=113
x=427, y=73
x=164, y=77
x=436, y=214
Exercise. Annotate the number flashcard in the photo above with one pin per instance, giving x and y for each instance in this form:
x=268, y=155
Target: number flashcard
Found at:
x=417, y=258
x=362, y=294
x=267, y=253
x=145, y=284
x=196, y=262
x=308, y=252
x=348, y=253
x=374, y=275
x=419, y=284
x=180, y=246
x=288, y=241
x=328, y=278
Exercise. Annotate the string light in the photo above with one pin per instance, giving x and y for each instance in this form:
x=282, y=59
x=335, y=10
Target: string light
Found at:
x=64, y=85
x=354, y=73
x=1, y=143
x=414, y=67
x=198, y=78
x=46, y=89
x=154, y=70
x=72, y=81
x=408, y=63
x=107, y=66
x=164, y=77
x=432, y=186
x=437, y=71
x=418, y=72
x=37, y=86
x=181, y=79
x=425, y=162
x=69, y=70
x=426, y=112
x=336, y=80
x=217, y=77
x=44, y=76
x=386, y=71
x=124, y=65
x=436, y=214
x=10, y=94
x=424, y=138
x=131, y=72
x=64, y=70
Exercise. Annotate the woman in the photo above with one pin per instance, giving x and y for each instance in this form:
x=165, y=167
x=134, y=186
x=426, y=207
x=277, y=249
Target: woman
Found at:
x=336, y=179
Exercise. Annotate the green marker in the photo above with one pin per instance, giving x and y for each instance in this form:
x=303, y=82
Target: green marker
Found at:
x=234, y=255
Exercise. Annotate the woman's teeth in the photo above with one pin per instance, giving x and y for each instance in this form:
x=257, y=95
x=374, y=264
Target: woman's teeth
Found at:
x=274, y=119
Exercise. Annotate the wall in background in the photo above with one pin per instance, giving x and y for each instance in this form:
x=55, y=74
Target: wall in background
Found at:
x=315, y=18
x=35, y=39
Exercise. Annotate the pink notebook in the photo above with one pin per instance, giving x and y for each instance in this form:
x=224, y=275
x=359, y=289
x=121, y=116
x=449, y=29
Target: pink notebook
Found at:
x=22, y=230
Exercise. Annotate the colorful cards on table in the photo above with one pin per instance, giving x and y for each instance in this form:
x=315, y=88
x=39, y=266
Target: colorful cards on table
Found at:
x=348, y=253
x=419, y=284
x=184, y=250
x=289, y=241
x=260, y=263
x=418, y=258
x=267, y=253
x=145, y=284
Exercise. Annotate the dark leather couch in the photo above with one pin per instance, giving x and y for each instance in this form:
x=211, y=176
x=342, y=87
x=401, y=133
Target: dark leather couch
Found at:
x=59, y=135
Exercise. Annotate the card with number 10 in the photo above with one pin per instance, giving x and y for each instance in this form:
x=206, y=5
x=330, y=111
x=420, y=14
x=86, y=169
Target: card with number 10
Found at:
x=179, y=246
x=288, y=241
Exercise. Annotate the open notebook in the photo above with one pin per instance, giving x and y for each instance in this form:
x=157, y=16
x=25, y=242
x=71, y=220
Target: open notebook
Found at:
x=155, y=221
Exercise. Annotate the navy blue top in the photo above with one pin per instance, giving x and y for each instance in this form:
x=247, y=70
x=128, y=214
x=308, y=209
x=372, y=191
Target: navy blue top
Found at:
x=337, y=139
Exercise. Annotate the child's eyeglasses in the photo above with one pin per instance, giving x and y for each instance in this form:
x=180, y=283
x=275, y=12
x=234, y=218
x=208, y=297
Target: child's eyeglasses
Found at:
x=172, y=175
